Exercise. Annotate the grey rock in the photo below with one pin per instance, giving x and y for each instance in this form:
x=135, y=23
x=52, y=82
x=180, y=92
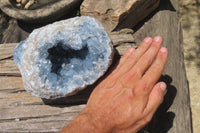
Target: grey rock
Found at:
x=122, y=36
x=63, y=58
x=122, y=40
x=42, y=11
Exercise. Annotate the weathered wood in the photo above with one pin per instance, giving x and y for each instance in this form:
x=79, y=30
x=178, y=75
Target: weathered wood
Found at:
x=22, y=112
x=7, y=66
x=119, y=14
x=174, y=116
x=7, y=50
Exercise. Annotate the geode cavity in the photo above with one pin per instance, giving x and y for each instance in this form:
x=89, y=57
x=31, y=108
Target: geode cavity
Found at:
x=64, y=57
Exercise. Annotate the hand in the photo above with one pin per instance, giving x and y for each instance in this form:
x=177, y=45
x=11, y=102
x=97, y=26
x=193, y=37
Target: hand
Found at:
x=126, y=100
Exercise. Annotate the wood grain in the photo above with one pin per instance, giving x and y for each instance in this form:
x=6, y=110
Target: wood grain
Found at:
x=174, y=115
x=7, y=50
x=124, y=14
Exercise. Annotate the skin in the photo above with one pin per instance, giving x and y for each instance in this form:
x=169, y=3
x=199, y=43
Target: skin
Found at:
x=128, y=97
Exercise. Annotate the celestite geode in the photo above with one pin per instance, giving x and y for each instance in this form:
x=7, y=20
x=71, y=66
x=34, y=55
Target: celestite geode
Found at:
x=63, y=58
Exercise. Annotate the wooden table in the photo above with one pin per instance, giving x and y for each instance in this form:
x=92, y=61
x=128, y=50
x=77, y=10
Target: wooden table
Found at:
x=22, y=112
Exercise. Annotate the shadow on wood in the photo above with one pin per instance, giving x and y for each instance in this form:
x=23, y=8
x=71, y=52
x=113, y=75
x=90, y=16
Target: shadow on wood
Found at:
x=164, y=5
x=163, y=119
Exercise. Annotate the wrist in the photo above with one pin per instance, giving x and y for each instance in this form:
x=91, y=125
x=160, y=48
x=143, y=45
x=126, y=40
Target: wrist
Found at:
x=96, y=124
x=85, y=123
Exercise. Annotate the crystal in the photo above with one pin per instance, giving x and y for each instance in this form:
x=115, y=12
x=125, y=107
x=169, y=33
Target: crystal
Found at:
x=63, y=58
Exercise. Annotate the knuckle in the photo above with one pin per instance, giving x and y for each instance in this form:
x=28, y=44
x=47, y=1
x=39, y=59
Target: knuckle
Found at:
x=131, y=58
x=147, y=59
x=157, y=67
x=144, y=45
x=134, y=72
x=123, y=81
x=141, y=88
x=156, y=45
x=129, y=76
x=147, y=79
x=146, y=82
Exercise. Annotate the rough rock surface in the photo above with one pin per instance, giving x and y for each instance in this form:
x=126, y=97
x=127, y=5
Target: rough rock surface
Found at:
x=118, y=14
x=42, y=11
x=64, y=57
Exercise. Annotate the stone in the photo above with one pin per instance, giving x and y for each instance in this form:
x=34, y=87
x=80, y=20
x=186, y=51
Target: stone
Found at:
x=119, y=14
x=42, y=11
x=122, y=40
x=63, y=58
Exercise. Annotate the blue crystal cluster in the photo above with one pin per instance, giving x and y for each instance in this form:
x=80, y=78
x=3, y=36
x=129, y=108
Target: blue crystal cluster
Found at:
x=64, y=57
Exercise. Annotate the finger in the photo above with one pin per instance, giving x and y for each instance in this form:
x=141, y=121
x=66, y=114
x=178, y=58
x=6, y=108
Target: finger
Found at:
x=133, y=58
x=124, y=57
x=121, y=61
x=113, y=75
x=155, y=98
x=154, y=72
x=143, y=63
x=146, y=60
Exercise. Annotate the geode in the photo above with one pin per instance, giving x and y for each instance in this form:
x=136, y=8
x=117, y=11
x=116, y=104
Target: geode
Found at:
x=63, y=58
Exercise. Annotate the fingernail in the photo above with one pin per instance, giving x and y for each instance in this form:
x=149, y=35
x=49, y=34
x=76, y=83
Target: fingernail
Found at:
x=163, y=86
x=163, y=50
x=131, y=50
x=148, y=40
x=157, y=39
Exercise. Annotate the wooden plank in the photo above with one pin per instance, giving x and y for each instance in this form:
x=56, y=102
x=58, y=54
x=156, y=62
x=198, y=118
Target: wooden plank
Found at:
x=7, y=83
x=36, y=118
x=8, y=68
x=174, y=115
x=7, y=50
x=22, y=112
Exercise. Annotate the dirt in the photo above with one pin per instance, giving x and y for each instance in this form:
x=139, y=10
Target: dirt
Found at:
x=190, y=18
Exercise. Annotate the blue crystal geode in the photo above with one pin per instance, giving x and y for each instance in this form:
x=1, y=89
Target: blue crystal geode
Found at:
x=63, y=58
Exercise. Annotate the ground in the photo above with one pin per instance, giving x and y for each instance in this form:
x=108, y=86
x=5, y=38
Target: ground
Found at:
x=190, y=18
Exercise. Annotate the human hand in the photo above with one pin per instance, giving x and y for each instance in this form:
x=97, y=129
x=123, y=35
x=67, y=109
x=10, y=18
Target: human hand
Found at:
x=127, y=98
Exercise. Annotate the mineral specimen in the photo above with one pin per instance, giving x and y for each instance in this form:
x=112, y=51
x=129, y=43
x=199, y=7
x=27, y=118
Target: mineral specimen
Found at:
x=64, y=57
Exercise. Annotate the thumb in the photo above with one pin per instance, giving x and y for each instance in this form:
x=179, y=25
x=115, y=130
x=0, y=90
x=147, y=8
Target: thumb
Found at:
x=155, y=98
